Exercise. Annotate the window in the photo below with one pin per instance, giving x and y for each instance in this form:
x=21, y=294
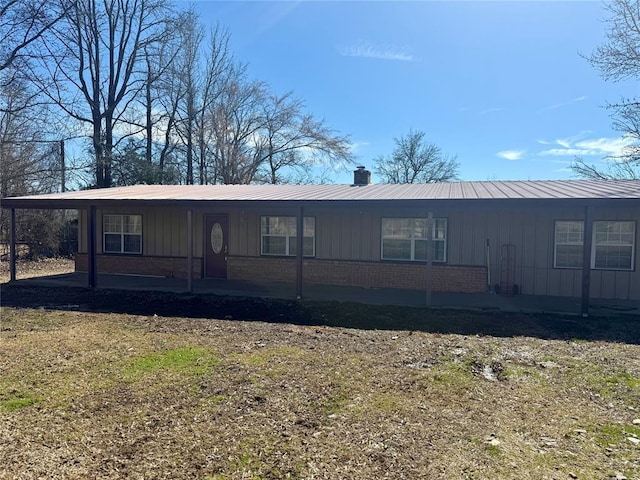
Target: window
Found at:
x=278, y=236
x=406, y=239
x=122, y=233
x=569, y=237
x=613, y=245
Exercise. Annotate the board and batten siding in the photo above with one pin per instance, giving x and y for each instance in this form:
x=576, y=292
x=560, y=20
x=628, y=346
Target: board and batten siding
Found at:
x=354, y=233
x=615, y=283
x=163, y=231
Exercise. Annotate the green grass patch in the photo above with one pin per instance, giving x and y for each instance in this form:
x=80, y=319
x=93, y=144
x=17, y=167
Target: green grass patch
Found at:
x=386, y=403
x=493, y=450
x=332, y=403
x=455, y=373
x=267, y=356
x=15, y=401
x=524, y=374
x=186, y=360
x=624, y=379
x=620, y=384
x=612, y=433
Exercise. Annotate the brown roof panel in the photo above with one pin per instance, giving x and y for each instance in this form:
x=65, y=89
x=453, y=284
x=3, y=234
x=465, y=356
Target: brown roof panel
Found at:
x=552, y=189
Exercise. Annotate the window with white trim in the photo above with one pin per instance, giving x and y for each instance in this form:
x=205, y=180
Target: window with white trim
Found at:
x=569, y=238
x=122, y=233
x=612, y=246
x=406, y=239
x=278, y=236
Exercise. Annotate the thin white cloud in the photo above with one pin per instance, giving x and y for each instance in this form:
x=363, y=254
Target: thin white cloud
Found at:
x=511, y=154
x=563, y=104
x=355, y=147
x=589, y=147
x=380, y=52
x=491, y=110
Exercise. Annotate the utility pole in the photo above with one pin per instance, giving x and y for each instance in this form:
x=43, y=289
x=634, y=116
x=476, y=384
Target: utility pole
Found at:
x=63, y=164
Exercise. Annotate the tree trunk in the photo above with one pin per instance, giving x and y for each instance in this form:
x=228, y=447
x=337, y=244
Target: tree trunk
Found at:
x=108, y=148
x=98, y=151
x=149, y=119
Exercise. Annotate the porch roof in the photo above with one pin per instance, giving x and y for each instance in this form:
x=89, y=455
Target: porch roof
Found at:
x=571, y=190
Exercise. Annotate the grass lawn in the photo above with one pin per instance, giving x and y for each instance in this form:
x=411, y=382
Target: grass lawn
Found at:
x=103, y=395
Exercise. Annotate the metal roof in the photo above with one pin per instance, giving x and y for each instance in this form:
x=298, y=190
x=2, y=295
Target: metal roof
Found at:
x=489, y=190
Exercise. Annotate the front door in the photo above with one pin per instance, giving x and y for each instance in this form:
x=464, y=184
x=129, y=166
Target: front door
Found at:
x=216, y=245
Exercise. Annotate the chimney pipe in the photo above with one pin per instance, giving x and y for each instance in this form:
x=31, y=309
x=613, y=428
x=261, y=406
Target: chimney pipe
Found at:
x=361, y=176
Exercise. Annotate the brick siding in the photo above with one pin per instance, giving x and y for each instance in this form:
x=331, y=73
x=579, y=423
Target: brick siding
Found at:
x=445, y=278
x=172, y=267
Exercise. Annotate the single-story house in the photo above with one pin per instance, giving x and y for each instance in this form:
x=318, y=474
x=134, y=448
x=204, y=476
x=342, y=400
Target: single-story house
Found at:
x=575, y=238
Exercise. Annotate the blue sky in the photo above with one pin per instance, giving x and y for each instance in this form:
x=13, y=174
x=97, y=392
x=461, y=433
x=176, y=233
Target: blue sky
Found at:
x=499, y=84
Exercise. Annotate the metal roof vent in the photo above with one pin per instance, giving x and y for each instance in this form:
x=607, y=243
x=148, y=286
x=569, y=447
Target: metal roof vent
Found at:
x=361, y=176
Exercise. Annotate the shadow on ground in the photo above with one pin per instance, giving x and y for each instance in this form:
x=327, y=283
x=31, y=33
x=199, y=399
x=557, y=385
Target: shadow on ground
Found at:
x=623, y=328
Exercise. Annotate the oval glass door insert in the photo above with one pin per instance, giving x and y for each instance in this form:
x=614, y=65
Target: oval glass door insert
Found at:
x=216, y=238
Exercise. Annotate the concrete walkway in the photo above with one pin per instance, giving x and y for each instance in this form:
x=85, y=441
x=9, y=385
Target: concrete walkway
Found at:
x=372, y=296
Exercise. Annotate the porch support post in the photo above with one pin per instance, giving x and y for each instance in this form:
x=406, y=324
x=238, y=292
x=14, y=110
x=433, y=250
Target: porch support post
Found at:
x=189, y=250
x=12, y=246
x=92, y=264
x=299, y=251
x=429, y=272
x=586, y=259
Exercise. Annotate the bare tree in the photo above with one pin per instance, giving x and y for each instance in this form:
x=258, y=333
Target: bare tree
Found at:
x=414, y=160
x=186, y=93
x=159, y=61
x=22, y=24
x=170, y=95
x=142, y=81
x=265, y=138
x=613, y=171
x=626, y=165
x=236, y=124
x=92, y=64
x=189, y=75
x=220, y=68
x=29, y=164
x=618, y=58
x=292, y=141
x=30, y=160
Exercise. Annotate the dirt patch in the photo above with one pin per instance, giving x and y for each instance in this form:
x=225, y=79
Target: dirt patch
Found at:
x=104, y=395
x=621, y=328
x=37, y=268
